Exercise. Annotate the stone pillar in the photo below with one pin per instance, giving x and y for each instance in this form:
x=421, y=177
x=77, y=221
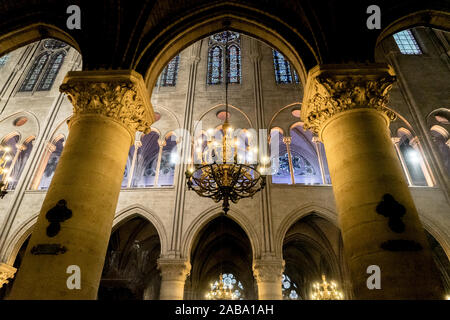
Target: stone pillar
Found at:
x=346, y=107
x=109, y=107
x=48, y=150
x=316, y=142
x=426, y=172
x=268, y=274
x=137, y=145
x=396, y=142
x=161, y=144
x=287, y=141
x=6, y=272
x=173, y=278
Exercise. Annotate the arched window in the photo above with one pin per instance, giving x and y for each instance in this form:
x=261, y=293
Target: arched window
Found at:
x=17, y=165
x=440, y=137
x=170, y=72
x=234, y=65
x=413, y=160
x=34, y=73
x=51, y=72
x=215, y=65
x=279, y=158
x=282, y=68
x=169, y=159
x=216, y=58
x=146, y=161
x=45, y=67
x=229, y=282
x=50, y=168
x=407, y=43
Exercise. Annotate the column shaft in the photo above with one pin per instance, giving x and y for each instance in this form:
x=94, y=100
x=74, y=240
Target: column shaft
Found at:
x=109, y=107
x=173, y=278
x=378, y=219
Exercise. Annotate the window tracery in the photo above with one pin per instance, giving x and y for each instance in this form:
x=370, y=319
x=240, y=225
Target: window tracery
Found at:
x=216, y=58
x=289, y=288
x=407, y=43
x=170, y=73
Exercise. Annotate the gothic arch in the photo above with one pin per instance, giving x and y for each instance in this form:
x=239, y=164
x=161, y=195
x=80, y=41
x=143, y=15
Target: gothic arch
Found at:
x=34, y=32
x=197, y=225
x=30, y=128
x=137, y=210
x=441, y=237
x=17, y=238
x=168, y=42
x=297, y=214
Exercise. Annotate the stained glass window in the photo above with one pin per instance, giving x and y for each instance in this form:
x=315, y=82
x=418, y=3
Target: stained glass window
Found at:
x=234, y=65
x=52, y=71
x=289, y=288
x=170, y=72
x=282, y=68
x=216, y=58
x=3, y=60
x=407, y=43
x=215, y=65
x=34, y=73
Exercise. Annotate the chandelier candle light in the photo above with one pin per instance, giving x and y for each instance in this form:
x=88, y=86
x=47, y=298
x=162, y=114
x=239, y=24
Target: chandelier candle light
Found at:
x=228, y=168
x=220, y=291
x=326, y=291
x=3, y=170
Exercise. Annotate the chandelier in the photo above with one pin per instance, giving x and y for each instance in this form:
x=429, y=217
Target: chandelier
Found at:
x=222, y=172
x=326, y=291
x=221, y=291
x=3, y=170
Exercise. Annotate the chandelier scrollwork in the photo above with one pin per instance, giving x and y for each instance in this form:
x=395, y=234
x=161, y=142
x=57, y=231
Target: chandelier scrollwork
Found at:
x=326, y=291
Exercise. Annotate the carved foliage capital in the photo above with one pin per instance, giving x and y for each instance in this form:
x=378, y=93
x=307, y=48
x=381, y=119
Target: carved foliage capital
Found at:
x=332, y=90
x=120, y=95
x=6, y=272
x=174, y=269
x=268, y=271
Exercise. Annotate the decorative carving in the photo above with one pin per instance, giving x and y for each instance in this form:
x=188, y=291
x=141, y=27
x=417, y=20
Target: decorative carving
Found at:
x=48, y=248
x=332, y=90
x=268, y=271
x=394, y=211
x=6, y=272
x=118, y=95
x=174, y=269
x=59, y=213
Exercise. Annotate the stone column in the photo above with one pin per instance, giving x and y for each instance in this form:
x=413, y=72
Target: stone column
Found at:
x=48, y=150
x=75, y=221
x=6, y=272
x=346, y=106
x=173, y=278
x=423, y=165
x=158, y=163
x=137, y=145
x=396, y=142
x=268, y=274
x=316, y=142
x=287, y=141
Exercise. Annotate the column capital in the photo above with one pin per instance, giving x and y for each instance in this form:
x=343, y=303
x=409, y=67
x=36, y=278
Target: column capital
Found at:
x=50, y=147
x=414, y=142
x=174, y=269
x=396, y=140
x=117, y=94
x=315, y=139
x=287, y=140
x=332, y=89
x=268, y=270
x=6, y=272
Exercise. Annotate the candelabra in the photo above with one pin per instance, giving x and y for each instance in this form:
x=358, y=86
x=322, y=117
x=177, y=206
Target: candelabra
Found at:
x=326, y=291
x=220, y=291
x=5, y=158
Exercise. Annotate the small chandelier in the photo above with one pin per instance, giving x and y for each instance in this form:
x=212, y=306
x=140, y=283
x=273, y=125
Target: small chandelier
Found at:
x=222, y=175
x=221, y=291
x=326, y=291
x=3, y=170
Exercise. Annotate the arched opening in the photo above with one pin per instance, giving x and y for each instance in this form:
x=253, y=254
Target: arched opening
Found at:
x=312, y=247
x=441, y=261
x=222, y=247
x=130, y=270
x=6, y=289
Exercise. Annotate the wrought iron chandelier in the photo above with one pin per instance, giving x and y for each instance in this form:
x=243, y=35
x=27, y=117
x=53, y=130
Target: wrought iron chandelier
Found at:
x=221, y=291
x=222, y=175
x=3, y=170
x=326, y=291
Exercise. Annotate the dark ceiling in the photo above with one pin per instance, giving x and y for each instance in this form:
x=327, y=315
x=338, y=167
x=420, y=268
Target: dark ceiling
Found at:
x=116, y=33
